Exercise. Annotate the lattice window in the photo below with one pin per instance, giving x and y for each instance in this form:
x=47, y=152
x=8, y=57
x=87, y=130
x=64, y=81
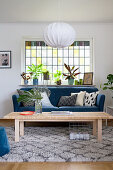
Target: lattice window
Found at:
x=78, y=54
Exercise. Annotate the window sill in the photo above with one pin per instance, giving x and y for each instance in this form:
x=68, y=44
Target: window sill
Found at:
x=28, y=85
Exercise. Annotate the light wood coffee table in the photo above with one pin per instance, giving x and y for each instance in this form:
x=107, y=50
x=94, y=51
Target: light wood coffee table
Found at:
x=95, y=117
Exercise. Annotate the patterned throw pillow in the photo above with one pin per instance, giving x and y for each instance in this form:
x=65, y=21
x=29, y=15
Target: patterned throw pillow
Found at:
x=90, y=98
x=28, y=103
x=67, y=100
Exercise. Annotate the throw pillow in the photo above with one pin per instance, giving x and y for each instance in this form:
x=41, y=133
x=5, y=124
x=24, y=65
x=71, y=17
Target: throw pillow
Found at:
x=45, y=100
x=80, y=98
x=67, y=100
x=90, y=98
x=28, y=103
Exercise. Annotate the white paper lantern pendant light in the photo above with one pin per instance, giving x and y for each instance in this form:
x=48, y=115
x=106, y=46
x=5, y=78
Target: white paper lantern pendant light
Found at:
x=59, y=35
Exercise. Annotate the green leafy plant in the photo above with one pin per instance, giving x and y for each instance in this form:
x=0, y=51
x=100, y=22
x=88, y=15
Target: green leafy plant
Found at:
x=35, y=70
x=31, y=95
x=57, y=76
x=45, y=71
x=109, y=83
x=71, y=72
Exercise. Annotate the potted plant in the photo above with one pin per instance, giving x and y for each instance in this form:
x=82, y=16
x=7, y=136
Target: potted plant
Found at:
x=25, y=77
x=71, y=74
x=57, y=77
x=32, y=95
x=109, y=83
x=35, y=71
x=45, y=74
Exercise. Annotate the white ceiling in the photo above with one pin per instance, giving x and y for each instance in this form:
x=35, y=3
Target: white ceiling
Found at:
x=55, y=10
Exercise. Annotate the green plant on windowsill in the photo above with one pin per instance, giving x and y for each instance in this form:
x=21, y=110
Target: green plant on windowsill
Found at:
x=45, y=73
x=108, y=84
x=35, y=70
x=57, y=77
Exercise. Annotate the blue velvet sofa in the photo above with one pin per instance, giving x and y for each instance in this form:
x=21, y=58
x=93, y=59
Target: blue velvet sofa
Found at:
x=56, y=93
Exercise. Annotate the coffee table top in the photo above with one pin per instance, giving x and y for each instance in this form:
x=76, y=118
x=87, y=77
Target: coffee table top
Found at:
x=46, y=116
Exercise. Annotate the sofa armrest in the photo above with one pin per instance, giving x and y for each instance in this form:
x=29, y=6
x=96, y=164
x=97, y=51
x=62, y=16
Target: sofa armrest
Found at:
x=16, y=104
x=100, y=102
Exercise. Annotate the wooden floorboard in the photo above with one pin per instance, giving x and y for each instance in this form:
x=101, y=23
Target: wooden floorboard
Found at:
x=57, y=166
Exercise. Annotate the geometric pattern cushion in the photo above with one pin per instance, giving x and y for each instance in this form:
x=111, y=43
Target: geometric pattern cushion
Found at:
x=4, y=144
x=90, y=98
x=28, y=103
x=67, y=100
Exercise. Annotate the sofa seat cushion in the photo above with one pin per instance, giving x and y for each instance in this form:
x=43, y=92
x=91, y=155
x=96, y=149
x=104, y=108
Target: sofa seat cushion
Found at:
x=49, y=108
x=79, y=108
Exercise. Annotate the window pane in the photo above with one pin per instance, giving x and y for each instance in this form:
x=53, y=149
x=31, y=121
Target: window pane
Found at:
x=70, y=61
x=59, y=53
x=54, y=69
x=65, y=53
x=27, y=61
x=59, y=61
x=87, y=68
x=44, y=61
x=44, y=53
x=33, y=61
x=76, y=53
x=27, y=53
x=87, y=61
x=71, y=53
x=81, y=61
x=59, y=68
x=49, y=61
x=38, y=61
x=82, y=69
x=33, y=53
x=49, y=53
x=87, y=53
x=81, y=53
x=55, y=53
x=76, y=61
x=66, y=60
x=55, y=61
x=38, y=53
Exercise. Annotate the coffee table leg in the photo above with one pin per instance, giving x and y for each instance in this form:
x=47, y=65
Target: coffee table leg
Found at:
x=21, y=128
x=95, y=128
x=99, y=130
x=16, y=130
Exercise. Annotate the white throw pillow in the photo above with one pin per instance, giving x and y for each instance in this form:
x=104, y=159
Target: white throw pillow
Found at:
x=45, y=100
x=90, y=98
x=80, y=98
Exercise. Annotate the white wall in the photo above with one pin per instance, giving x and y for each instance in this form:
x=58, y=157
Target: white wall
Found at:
x=10, y=39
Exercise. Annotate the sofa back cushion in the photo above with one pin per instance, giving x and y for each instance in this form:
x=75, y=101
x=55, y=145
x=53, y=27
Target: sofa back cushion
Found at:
x=57, y=92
